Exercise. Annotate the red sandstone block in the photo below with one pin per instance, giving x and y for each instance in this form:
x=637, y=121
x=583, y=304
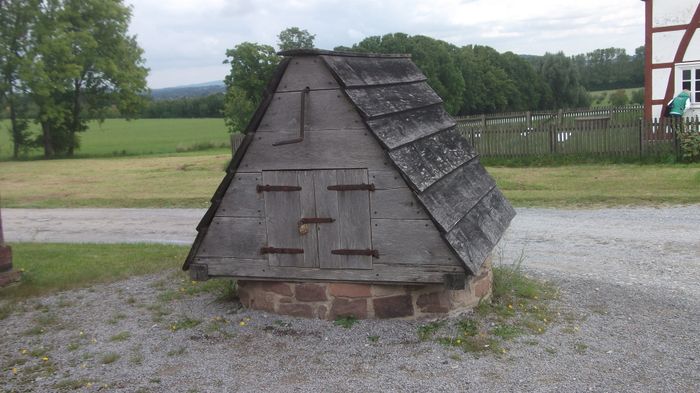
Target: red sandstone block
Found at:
x=482, y=286
x=279, y=288
x=348, y=307
x=349, y=290
x=310, y=293
x=296, y=310
x=436, y=302
x=379, y=290
x=393, y=306
x=262, y=302
x=321, y=312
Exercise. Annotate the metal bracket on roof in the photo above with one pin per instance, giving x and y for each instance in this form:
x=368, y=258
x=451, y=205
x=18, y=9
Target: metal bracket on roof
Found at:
x=304, y=93
x=275, y=250
x=372, y=253
x=266, y=187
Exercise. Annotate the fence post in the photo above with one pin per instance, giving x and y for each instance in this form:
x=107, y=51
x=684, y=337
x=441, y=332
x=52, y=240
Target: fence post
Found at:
x=553, y=138
x=560, y=117
x=641, y=136
x=483, y=122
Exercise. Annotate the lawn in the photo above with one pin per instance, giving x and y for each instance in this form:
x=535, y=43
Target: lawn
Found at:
x=119, y=137
x=49, y=267
x=189, y=180
x=173, y=181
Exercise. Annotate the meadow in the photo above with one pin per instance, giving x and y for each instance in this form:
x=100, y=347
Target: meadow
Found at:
x=119, y=137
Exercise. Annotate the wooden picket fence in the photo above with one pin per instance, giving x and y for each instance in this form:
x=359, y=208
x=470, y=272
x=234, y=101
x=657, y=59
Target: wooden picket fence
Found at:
x=582, y=135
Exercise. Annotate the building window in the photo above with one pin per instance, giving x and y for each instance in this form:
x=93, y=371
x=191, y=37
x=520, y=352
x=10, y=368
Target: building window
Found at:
x=688, y=78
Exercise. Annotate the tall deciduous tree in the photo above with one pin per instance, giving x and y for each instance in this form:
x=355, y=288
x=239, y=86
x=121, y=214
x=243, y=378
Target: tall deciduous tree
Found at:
x=16, y=20
x=560, y=72
x=83, y=61
x=295, y=38
x=252, y=66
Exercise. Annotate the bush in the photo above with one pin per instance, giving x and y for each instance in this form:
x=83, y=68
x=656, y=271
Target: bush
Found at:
x=690, y=145
x=619, y=98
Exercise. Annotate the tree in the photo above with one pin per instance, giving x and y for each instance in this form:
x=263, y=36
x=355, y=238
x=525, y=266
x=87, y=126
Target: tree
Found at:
x=619, y=98
x=83, y=63
x=561, y=75
x=16, y=19
x=252, y=66
x=294, y=38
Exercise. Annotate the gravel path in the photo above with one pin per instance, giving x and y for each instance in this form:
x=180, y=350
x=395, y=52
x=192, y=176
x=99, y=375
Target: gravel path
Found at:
x=629, y=303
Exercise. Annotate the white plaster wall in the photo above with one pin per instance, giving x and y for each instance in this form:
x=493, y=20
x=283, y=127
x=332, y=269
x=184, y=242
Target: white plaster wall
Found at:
x=665, y=45
x=693, y=52
x=673, y=12
x=659, y=79
x=656, y=111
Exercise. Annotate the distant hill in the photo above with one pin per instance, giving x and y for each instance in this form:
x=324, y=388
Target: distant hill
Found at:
x=187, y=91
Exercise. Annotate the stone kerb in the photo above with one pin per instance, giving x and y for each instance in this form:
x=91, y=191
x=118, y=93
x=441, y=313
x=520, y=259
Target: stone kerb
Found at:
x=331, y=300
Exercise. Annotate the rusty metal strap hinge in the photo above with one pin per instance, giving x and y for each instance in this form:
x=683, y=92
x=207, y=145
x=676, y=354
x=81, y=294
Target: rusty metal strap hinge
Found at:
x=261, y=188
x=352, y=187
x=316, y=220
x=345, y=251
x=275, y=250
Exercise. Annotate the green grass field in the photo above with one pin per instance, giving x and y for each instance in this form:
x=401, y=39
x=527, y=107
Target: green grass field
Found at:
x=118, y=137
x=190, y=181
x=596, y=96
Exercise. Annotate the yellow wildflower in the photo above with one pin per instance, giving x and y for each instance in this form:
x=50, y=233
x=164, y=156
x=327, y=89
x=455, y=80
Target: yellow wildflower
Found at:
x=45, y=358
x=459, y=341
x=14, y=370
x=24, y=351
x=241, y=323
x=82, y=333
x=510, y=306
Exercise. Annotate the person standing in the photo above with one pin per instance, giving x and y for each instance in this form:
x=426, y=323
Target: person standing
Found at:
x=679, y=104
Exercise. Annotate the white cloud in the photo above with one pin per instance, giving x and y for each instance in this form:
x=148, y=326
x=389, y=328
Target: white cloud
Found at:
x=191, y=35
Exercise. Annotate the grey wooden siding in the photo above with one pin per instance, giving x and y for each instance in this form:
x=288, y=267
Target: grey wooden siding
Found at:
x=369, y=119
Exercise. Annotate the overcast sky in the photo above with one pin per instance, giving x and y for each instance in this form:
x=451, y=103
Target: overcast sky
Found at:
x=185, y=40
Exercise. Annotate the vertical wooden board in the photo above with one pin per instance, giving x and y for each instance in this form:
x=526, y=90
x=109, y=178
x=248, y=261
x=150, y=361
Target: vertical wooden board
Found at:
x=234, y=238
x=398, y=203
x=415, y=242
x=241, y=198
x=308, y=209
x=282, y=212
x=325, y=110
x=327, y=206
x=353, y=217
x=306, y=71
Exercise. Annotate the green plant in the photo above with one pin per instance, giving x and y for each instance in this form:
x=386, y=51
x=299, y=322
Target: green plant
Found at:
x=184, y=323
x=122, y=336
x=109, y=358
x=346, y=321
x=690, y=145
x=426, y=332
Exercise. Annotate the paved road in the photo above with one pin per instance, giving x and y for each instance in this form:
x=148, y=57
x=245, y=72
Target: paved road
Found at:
x=658, y=247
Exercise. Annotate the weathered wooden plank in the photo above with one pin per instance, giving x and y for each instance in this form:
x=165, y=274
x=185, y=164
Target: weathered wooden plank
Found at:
x=381, y=273
x=325, y=110
x=427, y=160
x=401, y=128
x=309, y=240
x=234, y=237
x=319, y=150
x=327, y=206
x=398, y=203
x=363, y=71
x=354, y=219
x=386, y=179
x=383, y=100
x=450, y=198
x=414, y=242
x=305, y=71
x=475, y=236
x=241, y=198
x=283, y=211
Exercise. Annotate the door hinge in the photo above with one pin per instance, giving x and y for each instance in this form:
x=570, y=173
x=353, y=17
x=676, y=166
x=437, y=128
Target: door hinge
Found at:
x=345, y=251
x=316, y=220
x=261, y=188
x=352, y=187
x=274, y=250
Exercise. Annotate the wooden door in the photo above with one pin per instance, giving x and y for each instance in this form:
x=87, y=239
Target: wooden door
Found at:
x=318, y=219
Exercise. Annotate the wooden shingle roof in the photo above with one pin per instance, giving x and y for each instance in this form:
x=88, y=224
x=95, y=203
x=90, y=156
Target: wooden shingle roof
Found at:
x=440, y=165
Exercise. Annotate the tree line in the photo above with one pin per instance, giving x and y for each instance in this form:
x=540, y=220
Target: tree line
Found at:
x=64, y=62
x=471, y=79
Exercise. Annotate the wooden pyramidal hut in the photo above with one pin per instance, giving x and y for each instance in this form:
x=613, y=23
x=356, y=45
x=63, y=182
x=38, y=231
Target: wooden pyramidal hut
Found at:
x=352, y=194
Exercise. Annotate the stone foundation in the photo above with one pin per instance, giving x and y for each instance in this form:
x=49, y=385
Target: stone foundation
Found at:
x=331, y=300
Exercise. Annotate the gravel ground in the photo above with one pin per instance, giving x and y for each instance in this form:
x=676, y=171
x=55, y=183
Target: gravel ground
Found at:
x=630, y=322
